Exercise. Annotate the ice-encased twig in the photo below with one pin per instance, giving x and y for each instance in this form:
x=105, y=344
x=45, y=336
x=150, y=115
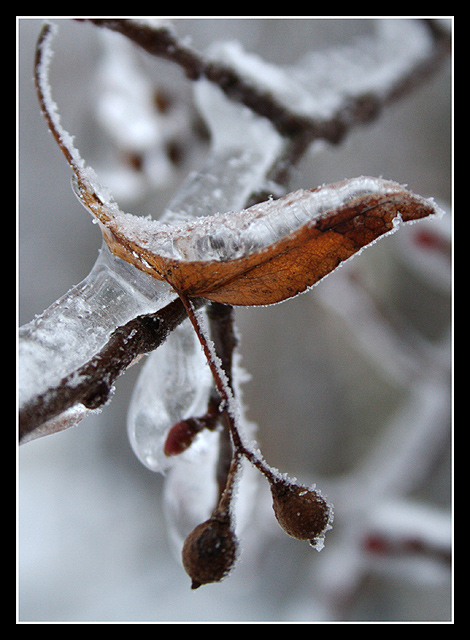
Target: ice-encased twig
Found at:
x=75, y=327
x=244, y=147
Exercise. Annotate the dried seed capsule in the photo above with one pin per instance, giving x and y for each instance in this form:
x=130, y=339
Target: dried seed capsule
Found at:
x=302, y=512
x=209, y=551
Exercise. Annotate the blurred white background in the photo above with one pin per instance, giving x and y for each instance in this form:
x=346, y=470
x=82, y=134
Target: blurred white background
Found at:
x=92, y=539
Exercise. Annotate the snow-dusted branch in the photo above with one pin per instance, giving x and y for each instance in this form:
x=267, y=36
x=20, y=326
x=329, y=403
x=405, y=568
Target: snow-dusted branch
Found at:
x=298, y=100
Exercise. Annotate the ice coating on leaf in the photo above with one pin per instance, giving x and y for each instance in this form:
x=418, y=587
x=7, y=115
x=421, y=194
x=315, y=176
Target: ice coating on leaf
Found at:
x=174, y=384
x=228, y=236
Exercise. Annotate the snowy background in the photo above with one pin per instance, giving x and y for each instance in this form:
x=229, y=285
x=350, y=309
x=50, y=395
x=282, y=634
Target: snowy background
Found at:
x=327, y=388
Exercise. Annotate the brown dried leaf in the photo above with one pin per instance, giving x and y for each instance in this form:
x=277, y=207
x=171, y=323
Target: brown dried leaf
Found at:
x=290, y=264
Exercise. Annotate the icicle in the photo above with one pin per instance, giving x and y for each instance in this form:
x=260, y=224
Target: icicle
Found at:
x=174, y=384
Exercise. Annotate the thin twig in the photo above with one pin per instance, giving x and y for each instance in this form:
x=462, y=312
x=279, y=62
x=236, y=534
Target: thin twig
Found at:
x=221, y=326
x=226, y=393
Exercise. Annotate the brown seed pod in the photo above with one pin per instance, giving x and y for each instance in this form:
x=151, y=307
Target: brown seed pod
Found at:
x=302, y=512
x=209, y=551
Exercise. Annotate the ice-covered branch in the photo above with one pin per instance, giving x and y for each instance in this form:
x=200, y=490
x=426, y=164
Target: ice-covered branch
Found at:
x=323, y=95
x=91, y=384
x=178, y=421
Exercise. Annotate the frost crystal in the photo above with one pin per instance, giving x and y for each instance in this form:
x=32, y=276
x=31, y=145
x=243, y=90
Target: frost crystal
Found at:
x=43, y=79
